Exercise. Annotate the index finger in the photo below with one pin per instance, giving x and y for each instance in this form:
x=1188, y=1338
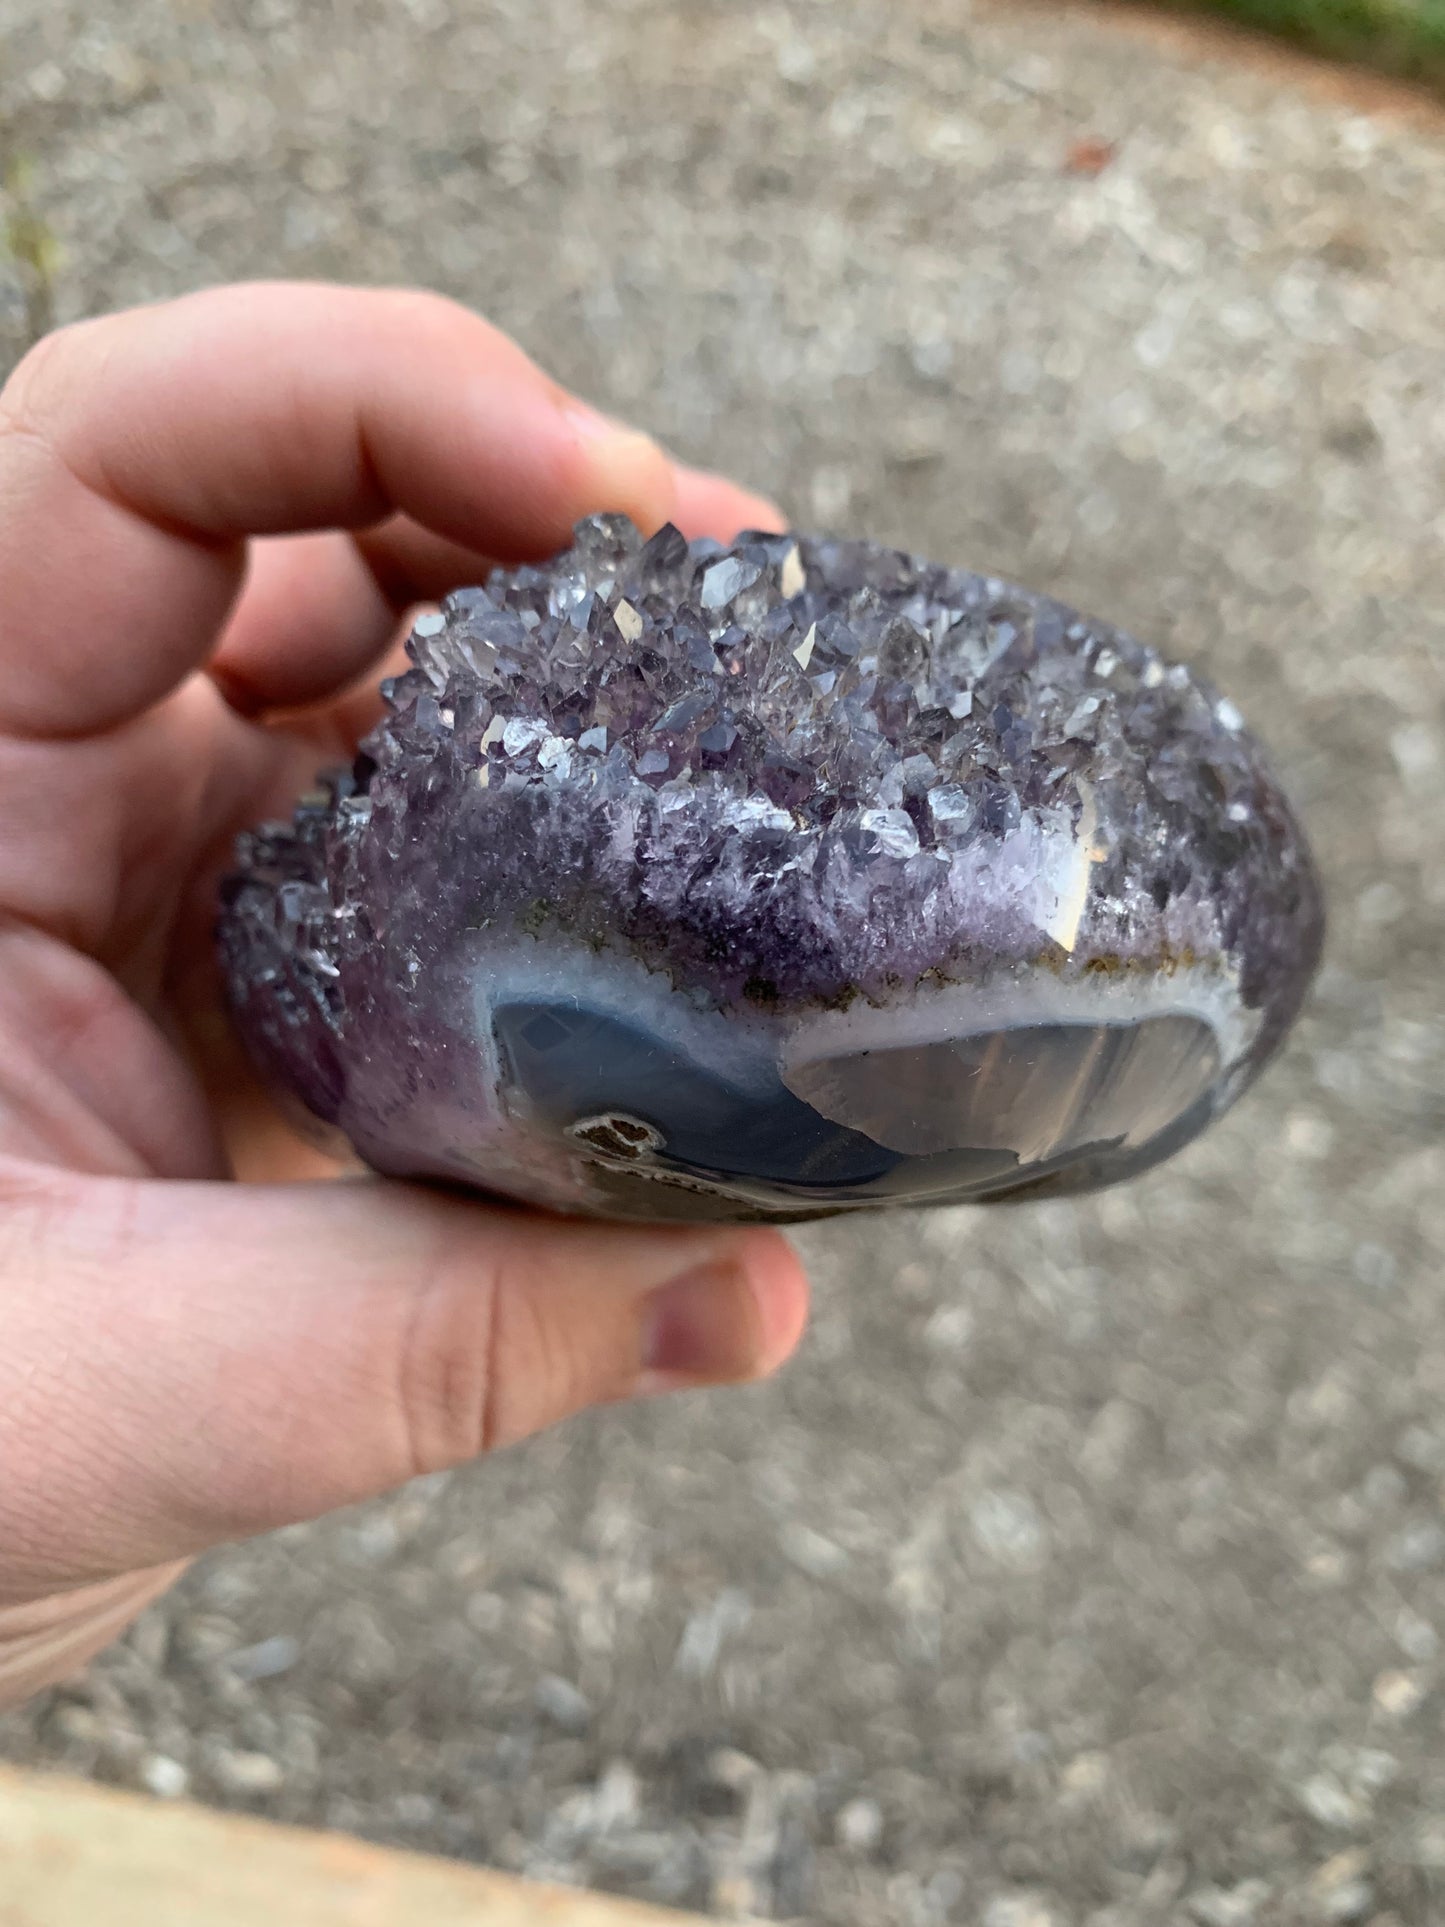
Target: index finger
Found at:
x=137, y=452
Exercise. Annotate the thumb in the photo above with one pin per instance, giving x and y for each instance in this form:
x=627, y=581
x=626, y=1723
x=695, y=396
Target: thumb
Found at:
x=190, y=1363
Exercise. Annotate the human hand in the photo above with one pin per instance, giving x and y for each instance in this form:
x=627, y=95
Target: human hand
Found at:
x=213, y=514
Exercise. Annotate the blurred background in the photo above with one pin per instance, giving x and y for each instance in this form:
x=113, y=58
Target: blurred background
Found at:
x=1398, y=36
x=1088, y=1569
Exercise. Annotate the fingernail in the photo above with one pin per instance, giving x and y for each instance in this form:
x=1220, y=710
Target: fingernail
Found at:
x=627, y=470
x=703, y=1328
x=762, y=517
x=750, y=509
x=589, y=424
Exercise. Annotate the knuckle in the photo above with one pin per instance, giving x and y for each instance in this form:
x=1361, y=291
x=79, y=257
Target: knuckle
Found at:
x=448, y=324
x=538, y=1369
x=31, y=395
x=492, y=1354
x=419, y=309
x=36, y=1201
x=444, y=1386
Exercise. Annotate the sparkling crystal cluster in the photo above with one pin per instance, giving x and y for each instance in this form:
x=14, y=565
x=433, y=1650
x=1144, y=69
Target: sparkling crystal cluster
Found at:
x=791, y=877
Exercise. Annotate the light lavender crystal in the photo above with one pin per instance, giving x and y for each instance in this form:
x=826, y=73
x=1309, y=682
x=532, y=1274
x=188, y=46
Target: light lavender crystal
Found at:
x=795, y=877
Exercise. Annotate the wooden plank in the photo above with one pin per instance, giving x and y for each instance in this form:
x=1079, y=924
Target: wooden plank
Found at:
x=74, y=1855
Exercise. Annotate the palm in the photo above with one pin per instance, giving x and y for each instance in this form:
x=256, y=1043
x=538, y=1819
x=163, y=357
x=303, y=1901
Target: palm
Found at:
x=135, y=892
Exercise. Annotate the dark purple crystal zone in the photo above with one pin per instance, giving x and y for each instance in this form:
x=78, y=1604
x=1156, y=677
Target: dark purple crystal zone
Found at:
x=786, y=776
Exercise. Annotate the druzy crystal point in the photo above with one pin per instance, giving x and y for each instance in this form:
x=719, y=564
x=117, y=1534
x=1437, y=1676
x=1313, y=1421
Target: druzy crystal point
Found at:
x=762, y=882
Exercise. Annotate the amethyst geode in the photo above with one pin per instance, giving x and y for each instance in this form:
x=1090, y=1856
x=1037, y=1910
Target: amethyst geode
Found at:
x=794, y=877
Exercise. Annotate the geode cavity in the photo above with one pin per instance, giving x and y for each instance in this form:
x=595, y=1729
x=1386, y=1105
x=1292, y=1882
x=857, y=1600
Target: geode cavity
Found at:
x=795, y=877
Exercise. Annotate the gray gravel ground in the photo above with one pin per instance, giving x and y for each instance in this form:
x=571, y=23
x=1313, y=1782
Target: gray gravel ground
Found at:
x=1090, y=1565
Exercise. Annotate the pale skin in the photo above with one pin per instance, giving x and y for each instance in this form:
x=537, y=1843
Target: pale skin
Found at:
x=214, y=515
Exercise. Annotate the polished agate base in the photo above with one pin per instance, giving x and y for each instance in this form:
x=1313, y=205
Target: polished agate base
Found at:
x=843, y=1109
x=795, y=878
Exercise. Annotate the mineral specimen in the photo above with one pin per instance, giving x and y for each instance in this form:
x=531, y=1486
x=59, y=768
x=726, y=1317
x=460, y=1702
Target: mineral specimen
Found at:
x=762, y=882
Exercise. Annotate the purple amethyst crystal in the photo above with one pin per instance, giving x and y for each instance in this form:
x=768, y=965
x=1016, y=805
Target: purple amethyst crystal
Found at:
x=763, y=882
